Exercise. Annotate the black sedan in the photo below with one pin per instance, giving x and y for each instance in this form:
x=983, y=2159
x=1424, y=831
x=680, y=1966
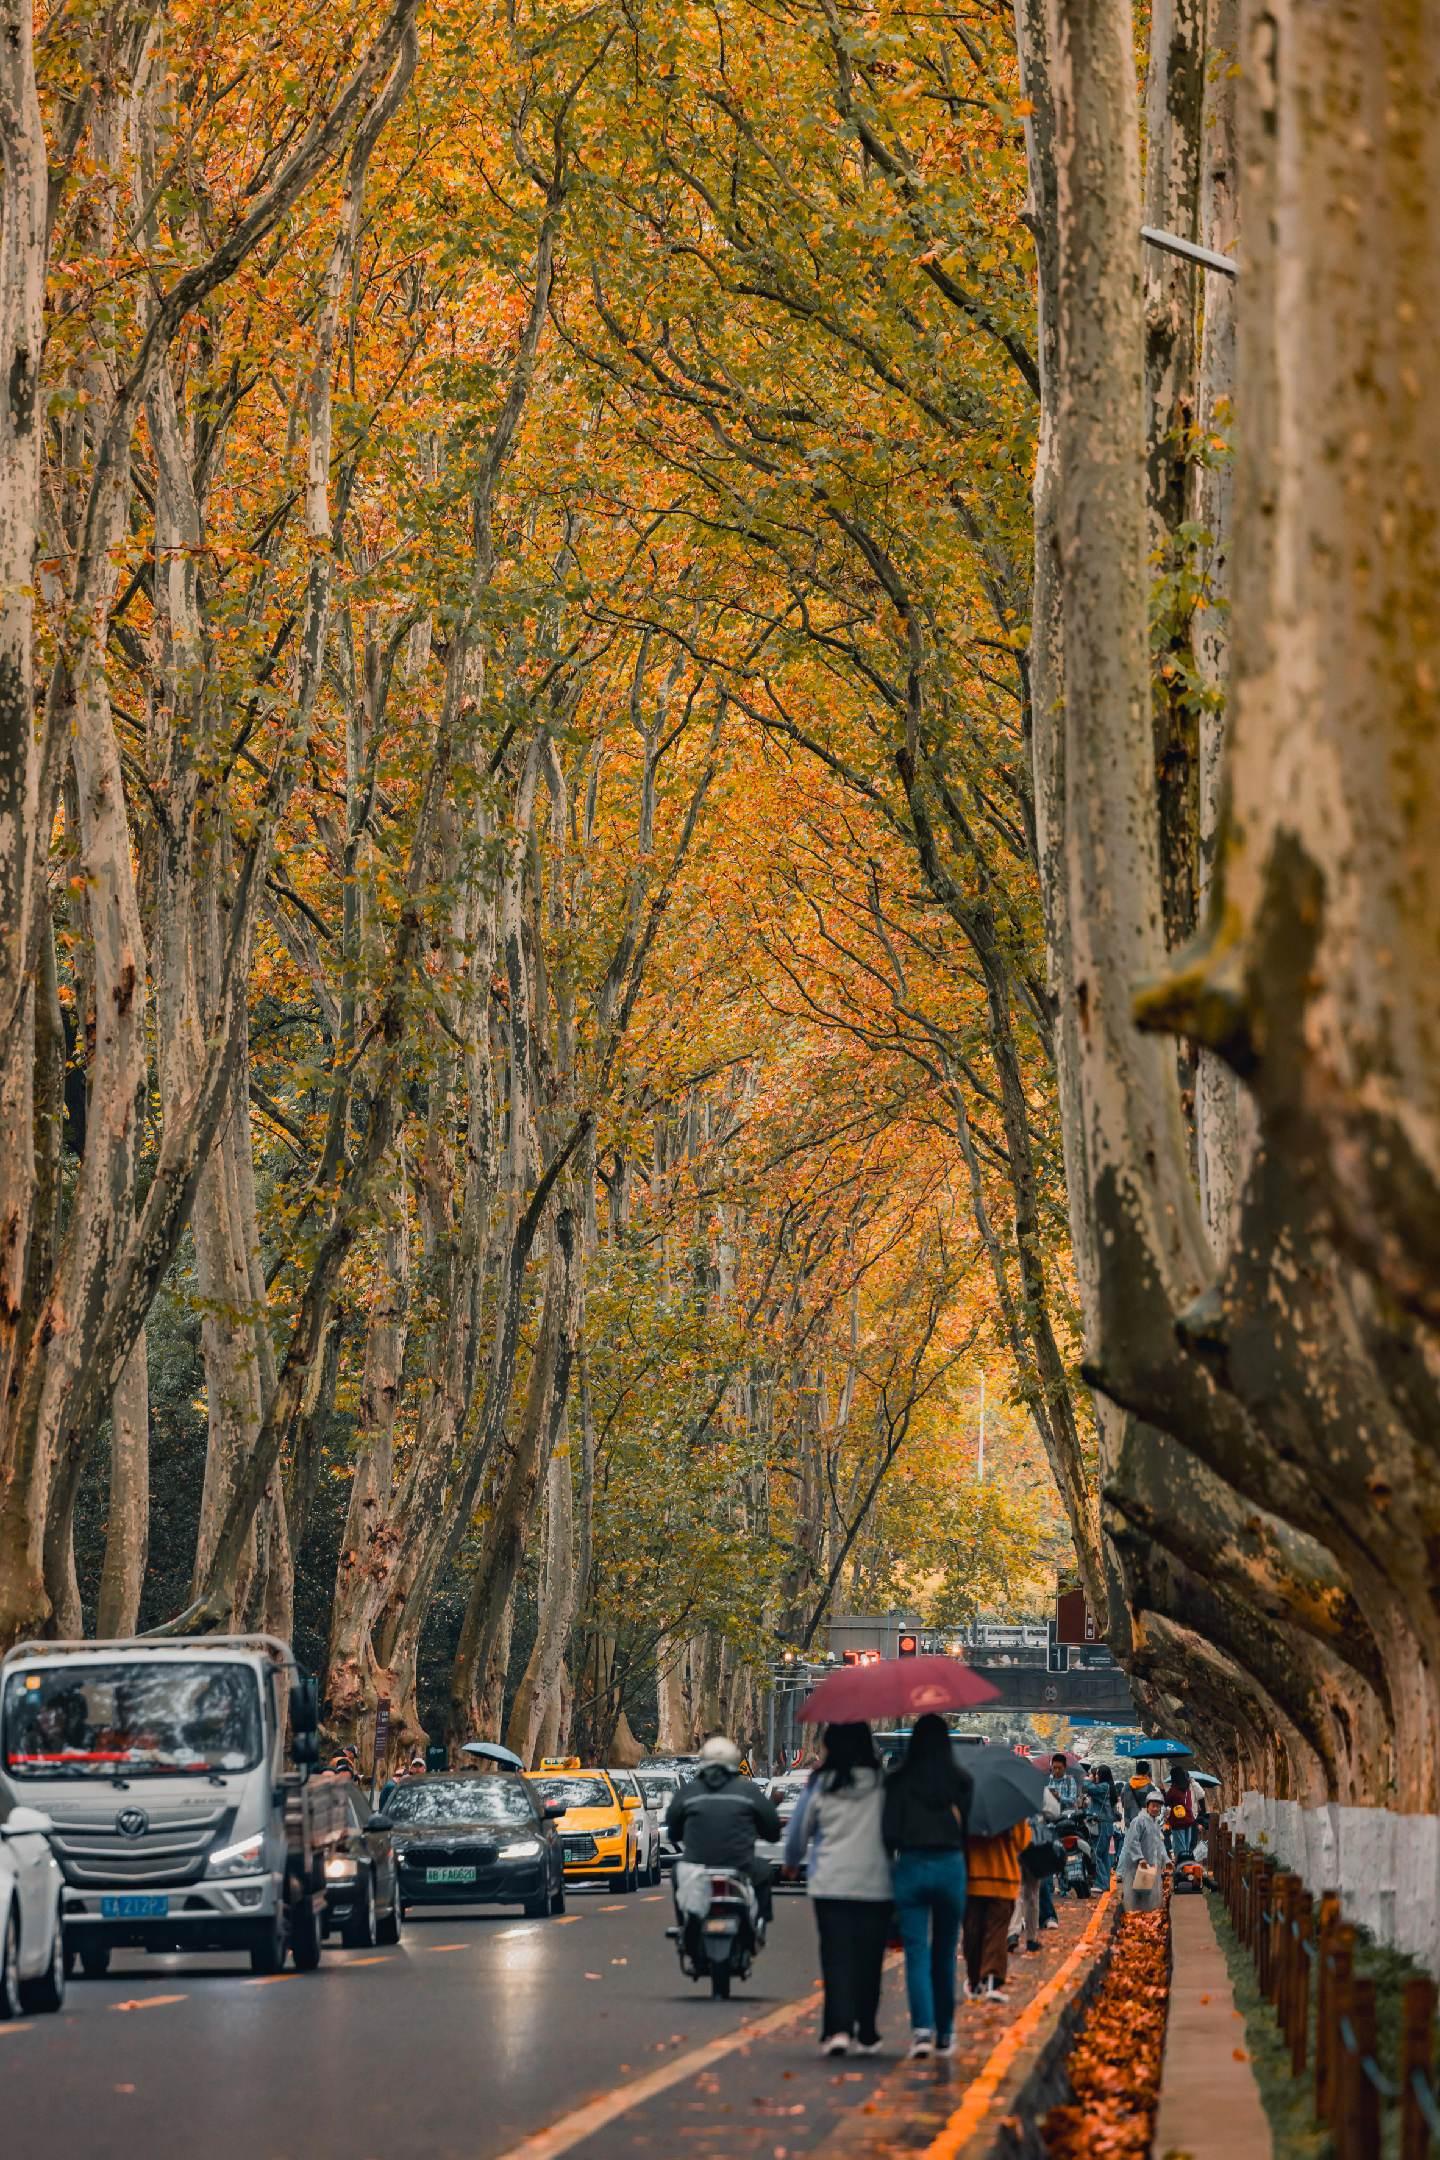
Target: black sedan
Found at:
x=476, y=1840
x=362, y=1889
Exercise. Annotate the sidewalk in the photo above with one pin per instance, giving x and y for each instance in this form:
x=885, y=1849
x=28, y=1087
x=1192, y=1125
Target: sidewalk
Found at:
x=774, y=2097
x=1210, y=2106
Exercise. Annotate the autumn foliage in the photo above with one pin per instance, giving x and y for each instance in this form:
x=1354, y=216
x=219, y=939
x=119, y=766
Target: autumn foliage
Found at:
x=1114, y=2063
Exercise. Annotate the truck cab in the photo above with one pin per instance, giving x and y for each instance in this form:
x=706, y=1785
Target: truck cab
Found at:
x=179, y=1822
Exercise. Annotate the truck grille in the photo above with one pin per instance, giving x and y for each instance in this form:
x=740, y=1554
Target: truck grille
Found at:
x=172, y=1846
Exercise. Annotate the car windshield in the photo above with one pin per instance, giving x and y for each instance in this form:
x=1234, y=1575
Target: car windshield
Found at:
x=658, y=1790
x=165, y=1719
x=460, y=1800
x=576, y=1792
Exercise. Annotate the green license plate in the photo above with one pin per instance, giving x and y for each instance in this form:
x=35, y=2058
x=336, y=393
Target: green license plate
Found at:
x=449, y=1874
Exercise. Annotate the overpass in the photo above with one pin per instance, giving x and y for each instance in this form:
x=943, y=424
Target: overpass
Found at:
x=1099, y=1690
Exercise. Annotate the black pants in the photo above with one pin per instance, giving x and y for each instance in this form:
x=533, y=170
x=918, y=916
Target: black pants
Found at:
x=853, y=1935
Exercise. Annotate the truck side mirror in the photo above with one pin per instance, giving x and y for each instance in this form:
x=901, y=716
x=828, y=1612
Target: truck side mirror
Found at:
x=304, y=1705
x=305, y=1748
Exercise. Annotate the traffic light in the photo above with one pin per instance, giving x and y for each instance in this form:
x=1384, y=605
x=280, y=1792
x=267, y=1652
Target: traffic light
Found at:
x=908, y=1646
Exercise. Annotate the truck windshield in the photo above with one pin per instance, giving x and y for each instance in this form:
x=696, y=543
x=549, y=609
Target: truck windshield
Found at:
x=160, y=1719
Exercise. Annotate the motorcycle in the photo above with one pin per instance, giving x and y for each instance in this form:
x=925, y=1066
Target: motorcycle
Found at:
x=1078, y=1872
x=718, y=1929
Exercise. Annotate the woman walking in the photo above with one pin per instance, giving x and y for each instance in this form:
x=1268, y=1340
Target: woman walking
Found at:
x=1141, y=1866
x=927, y=1798
x=993, y=1869
x=1102, y=1800
x=839, y=1827
x=1180, y=1813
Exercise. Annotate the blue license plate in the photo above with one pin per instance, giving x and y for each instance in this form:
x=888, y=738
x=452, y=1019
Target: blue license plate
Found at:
x=134, y=1908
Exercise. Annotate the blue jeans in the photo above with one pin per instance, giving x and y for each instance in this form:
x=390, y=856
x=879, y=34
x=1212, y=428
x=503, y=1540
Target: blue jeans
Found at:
x=929, y=1907
x=1102, y=1855
x=1182, y=1840
x=1047, y=1901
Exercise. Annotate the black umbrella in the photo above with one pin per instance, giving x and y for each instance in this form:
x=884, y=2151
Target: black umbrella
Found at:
x=1007, y=1789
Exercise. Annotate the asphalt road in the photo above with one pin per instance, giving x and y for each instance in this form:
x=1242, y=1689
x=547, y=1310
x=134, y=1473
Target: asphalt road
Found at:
x=481, y=2029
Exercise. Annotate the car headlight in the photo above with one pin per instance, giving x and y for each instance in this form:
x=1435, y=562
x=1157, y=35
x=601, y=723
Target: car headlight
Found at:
x=524, y=1848
x=341, y=1868
x=241, y=1859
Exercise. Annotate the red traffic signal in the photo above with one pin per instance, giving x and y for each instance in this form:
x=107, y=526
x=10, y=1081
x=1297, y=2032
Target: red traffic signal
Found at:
x=908, y=1646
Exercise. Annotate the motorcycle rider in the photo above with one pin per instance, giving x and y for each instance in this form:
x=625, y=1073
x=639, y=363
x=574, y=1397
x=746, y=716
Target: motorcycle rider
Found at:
x=716, y=1818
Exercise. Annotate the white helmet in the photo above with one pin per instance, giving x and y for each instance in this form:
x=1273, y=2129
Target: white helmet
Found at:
x=718, y=1749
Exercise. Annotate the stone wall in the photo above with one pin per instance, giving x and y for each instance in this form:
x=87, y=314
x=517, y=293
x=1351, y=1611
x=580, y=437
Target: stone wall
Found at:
x=1385, y=1866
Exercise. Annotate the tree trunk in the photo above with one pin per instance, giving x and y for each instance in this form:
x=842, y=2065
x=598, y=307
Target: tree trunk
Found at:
x=127, y=1527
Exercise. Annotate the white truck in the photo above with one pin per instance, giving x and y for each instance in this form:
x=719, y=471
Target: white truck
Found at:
x=177, y=1774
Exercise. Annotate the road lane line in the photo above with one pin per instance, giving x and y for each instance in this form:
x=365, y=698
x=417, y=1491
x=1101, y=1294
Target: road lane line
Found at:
x=986, y=2083
x=655, y=1897
x=610, y=1908
x=598, y=2114
x=149, y=2002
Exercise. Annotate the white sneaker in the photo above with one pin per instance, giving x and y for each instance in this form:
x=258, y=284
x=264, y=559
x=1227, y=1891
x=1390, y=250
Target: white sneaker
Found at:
x=837, y=2044
x=923, y=2044
x=868, y=2047
x=994, y=1990
x=1052, y=1923
x=945, y=2045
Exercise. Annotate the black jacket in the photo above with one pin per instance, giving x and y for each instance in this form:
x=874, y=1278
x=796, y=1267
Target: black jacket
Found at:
x=921, y=1820
x=717, y=1817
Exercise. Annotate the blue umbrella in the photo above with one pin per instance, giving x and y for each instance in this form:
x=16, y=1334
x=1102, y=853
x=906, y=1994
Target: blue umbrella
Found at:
x=491, y=1751
x=1147, y=1750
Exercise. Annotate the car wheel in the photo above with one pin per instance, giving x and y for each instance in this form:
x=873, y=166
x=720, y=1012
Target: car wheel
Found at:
x=306, y=1941
x=557, y=1898
x=537, y=1907
x=720, y=1982
x=358, y=1932
x=95, y=1960
x=267, y=1951
x=628, y=1881
x=47, y=1990
x=10, y=1969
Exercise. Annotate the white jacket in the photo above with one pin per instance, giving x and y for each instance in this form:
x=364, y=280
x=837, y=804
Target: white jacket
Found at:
x=843, y=1836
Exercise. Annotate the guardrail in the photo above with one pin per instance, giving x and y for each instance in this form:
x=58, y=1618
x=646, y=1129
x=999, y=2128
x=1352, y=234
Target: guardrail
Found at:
x=1304, y=1949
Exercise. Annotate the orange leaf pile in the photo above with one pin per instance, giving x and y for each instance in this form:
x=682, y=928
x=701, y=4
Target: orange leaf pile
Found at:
x=1115, y=2062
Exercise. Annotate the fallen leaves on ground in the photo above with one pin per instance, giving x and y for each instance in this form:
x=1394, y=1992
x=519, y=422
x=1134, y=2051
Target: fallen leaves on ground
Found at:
x=1115, y=2061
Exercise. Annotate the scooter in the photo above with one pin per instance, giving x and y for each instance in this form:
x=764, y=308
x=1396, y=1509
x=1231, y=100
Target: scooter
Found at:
x=718, y=1931
x=1078, y=1872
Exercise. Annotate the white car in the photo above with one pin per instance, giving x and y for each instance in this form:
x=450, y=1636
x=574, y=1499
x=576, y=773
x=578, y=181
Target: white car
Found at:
x=32, y=1934
x=659, y=1786
x=786, y=1792
x=647, y=1822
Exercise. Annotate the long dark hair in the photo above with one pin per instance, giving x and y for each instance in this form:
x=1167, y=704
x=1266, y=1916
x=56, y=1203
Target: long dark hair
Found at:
x=1105, y=1774
x=848, y=1748
x=1180, y=1778
x=928, y=1765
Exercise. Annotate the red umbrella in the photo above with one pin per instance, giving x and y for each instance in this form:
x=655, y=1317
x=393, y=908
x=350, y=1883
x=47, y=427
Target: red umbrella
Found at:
x=897, y=1687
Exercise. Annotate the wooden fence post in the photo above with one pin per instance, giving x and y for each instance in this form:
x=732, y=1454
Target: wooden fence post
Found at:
x=1339, y=1967
x=1300, y=2008
x=1361, y=2136
x=1417, y=2044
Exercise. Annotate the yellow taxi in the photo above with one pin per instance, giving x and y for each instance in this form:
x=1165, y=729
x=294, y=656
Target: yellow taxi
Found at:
x=599, y=1835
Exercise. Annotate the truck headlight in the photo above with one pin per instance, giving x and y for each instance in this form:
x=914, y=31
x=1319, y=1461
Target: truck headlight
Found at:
x=524, y=1848
x=341, y=1868
x=241, y=1859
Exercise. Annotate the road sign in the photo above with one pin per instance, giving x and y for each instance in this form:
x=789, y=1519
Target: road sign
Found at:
x=382, y=1732
x=1074, y=1621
